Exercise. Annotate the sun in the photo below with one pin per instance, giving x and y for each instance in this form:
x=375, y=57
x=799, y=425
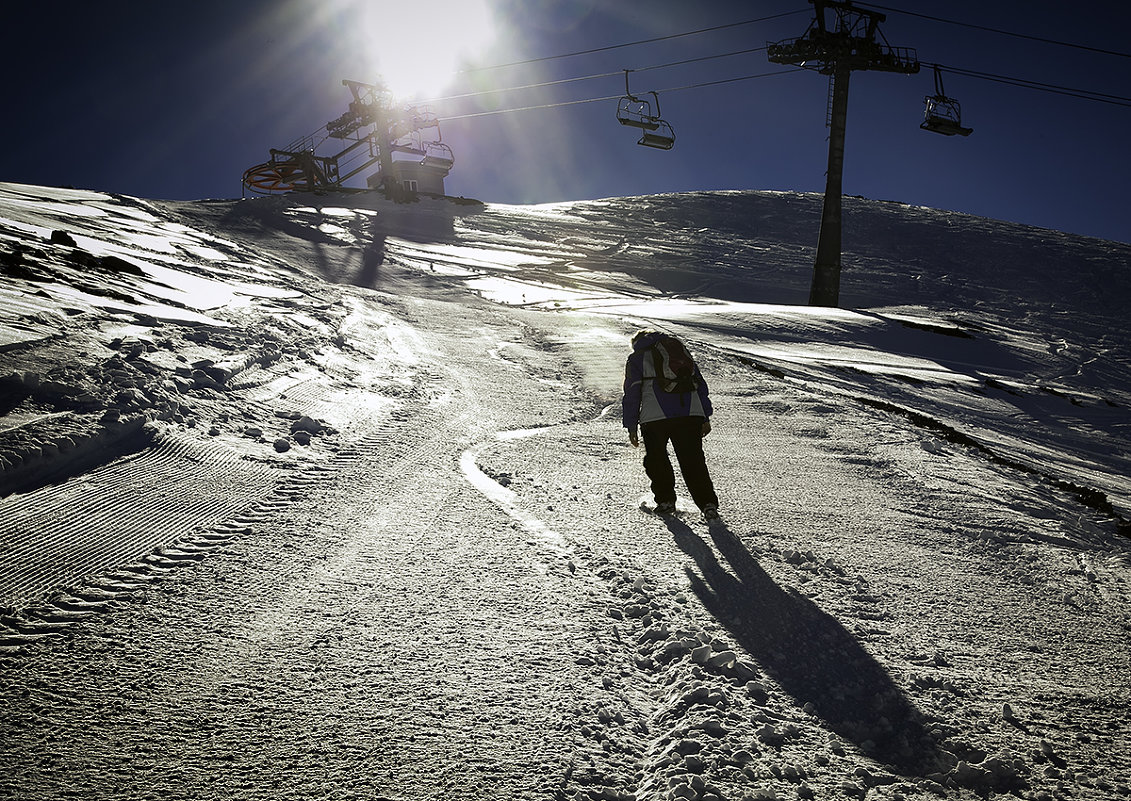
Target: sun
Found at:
x=416, y=48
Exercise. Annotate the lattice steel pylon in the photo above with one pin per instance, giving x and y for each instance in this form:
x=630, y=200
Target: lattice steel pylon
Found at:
x=837, y=43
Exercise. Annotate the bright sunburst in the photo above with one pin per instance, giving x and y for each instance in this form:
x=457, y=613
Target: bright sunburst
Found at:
x=417, y=47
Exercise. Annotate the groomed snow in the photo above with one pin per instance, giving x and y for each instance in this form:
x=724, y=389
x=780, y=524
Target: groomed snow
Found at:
x=328, y=497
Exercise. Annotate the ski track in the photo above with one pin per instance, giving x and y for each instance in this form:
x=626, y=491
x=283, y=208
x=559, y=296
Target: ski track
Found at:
x=153, y=511
x=616, y=680
x=123, y=510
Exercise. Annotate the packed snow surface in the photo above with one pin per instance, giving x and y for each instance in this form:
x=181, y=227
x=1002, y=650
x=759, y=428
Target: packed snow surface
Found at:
x=328, y=497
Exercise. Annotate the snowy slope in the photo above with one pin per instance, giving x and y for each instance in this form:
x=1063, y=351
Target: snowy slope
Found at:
x=384, y=440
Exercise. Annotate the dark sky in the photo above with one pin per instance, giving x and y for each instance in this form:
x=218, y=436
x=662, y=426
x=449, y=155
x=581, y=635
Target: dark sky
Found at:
x=175, y=99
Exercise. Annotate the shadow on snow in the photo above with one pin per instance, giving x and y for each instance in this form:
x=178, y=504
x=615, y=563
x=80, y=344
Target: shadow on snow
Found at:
x=807, y=652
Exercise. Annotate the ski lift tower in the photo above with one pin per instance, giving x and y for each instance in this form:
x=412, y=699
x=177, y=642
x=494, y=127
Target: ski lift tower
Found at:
x=837, y=43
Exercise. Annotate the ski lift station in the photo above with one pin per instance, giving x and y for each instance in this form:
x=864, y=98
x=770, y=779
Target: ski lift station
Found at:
x=402, y=142
x=417, y=167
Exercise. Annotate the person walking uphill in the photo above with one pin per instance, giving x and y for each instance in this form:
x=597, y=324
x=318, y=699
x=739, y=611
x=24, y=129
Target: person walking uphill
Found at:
x=666, y=396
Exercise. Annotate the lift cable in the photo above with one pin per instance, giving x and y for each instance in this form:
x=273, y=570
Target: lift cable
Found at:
x=1002, y=32
x=312, y=140
x=528, y=108
x=615, y=97
x=730, y=80
x=501, y=89
x=638, y=42
x=1083, y=94
x=1021, y=82
x=697, y=59
x=618, y=74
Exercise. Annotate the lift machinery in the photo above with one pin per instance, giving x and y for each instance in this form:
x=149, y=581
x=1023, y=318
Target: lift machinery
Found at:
x=375, y=129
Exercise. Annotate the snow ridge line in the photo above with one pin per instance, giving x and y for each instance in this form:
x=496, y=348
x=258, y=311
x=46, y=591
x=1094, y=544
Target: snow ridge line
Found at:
x=35, y=462
x=1092, y=498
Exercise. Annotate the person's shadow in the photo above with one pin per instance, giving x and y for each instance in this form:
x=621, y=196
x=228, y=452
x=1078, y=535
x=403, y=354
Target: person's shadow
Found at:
x=808, y=653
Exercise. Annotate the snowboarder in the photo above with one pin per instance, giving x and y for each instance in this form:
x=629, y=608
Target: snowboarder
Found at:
x=666, y=396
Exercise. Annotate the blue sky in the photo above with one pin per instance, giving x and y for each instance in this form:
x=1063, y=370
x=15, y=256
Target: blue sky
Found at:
x=175, y=100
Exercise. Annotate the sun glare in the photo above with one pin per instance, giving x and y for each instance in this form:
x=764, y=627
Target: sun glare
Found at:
x=417, y=48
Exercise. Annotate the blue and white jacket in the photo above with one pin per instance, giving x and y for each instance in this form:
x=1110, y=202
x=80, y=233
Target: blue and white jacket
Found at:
x=643, y=403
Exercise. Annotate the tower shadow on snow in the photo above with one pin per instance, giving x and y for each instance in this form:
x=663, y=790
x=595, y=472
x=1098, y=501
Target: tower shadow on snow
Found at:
x=808, y=653
x=372, y=257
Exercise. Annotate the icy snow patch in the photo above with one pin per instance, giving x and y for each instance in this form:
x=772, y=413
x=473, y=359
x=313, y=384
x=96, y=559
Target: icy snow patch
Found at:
x=505, y=499
x=158, y=311
x=487, y=257
x=515, y=292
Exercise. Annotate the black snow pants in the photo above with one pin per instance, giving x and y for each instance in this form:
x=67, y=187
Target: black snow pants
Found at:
x=686, y=435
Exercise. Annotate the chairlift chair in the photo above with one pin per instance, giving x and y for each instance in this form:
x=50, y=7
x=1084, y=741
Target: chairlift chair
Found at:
x=663, y=138
x=437, y=156
x=943, y=115
x=412, y=146
x=637, y=113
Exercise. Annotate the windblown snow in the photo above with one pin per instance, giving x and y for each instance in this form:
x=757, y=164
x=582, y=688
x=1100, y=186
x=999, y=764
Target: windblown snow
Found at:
x=328, y=497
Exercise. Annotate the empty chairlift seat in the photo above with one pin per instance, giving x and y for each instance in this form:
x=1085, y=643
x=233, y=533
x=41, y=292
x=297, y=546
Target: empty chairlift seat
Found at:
x=637, y=113
x=437, y=156
x=662, y=138
x=943, y=115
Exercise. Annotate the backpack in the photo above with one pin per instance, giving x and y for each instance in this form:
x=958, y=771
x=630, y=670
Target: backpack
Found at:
x=675, y=369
